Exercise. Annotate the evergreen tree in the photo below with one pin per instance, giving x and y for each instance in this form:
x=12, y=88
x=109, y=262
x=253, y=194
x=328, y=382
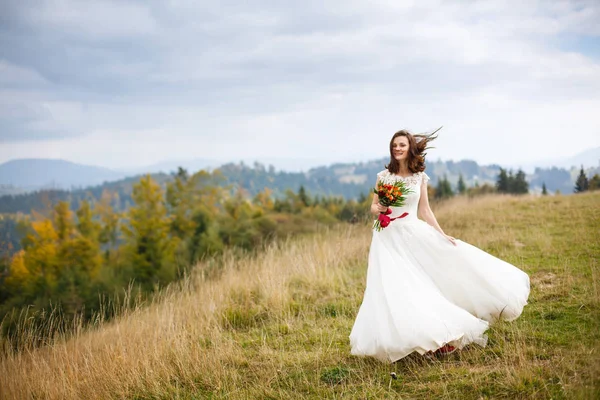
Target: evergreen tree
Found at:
x=443, y=189
x=519, y=184
x=502, y=181
x=303, y=196
x=544, y=190
x=594, y=183
x=581, y=184
x=511, y=182
x=182, y=173
x=461, y=187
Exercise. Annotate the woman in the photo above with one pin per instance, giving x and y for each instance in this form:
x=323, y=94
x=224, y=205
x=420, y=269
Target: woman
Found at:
x=427, y=291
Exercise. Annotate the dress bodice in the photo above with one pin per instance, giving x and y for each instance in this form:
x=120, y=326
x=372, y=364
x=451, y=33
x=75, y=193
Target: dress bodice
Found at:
x=413, y=182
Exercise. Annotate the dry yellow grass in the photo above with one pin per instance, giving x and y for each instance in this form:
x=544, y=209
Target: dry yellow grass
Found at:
x=276, y=325
x=181, y=336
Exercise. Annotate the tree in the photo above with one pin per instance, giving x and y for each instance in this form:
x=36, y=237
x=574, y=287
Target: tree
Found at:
x=63, y=220
x=40, y=259
x=80, y=261
x=150, y=248
x=264, y=199
x=581, y=184
x=109, y=220
x=180, y=204
x=78, y=256
x=594, y=183
x=85, y=222
x=361, y=197
x=511, y=183
x=303, y=196
x=192, y=204
x=18, y=276
x=519, y=184
x=443, y=189
x=461, y=187
x=502, y=181
x=544, y=190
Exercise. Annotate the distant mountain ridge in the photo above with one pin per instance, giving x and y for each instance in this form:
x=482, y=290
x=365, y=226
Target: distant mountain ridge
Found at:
x=167, y=166
x=345, y=179
x=588, y=159
x=32, y=174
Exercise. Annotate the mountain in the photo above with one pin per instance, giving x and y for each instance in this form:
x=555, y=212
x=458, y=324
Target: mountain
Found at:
x=34, y=174
x=589, y=159
x=172, y=165
x=296, y=164
x=62, y=180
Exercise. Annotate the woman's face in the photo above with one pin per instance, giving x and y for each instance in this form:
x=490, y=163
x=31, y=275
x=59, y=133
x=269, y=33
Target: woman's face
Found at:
x=400, y=148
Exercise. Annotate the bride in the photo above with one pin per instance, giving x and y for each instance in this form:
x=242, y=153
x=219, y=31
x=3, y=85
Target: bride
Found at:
x=427, y=291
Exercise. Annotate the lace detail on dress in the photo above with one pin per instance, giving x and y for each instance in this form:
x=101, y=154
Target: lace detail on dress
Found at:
x=415, y=179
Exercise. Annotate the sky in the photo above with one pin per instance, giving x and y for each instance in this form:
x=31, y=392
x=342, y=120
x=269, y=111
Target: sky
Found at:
x=123, y=84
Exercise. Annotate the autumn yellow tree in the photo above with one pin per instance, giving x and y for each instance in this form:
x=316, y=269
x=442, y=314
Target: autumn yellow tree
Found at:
x=38, y=265
x=77, y=256
x=150, y=247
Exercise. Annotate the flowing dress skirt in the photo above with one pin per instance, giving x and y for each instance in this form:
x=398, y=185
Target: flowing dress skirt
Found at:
x=423, y=292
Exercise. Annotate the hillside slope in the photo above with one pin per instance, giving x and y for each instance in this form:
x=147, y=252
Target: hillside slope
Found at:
x=277, y=325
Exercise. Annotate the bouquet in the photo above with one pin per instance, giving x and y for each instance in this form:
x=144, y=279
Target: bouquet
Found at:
x=390, y=195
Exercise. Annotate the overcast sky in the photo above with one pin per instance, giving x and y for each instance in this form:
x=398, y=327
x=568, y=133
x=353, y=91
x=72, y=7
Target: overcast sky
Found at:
x=129, y=83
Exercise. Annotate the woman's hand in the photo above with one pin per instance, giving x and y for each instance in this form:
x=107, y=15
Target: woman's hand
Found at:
x=377, y=208
x=451, y=239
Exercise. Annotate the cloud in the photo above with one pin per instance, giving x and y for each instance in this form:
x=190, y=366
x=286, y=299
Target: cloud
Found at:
x=93, y=19
x=331, y=80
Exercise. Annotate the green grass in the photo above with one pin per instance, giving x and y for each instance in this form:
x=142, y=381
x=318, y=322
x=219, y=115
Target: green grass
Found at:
x=551, y=351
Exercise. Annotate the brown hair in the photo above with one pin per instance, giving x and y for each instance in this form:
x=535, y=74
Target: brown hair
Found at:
x=416, y=153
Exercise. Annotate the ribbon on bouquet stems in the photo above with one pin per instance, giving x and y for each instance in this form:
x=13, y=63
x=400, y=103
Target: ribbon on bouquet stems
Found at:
x=384, y=220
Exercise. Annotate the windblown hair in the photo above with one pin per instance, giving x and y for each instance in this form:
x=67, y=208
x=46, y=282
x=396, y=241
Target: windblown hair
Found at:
x=416, y=154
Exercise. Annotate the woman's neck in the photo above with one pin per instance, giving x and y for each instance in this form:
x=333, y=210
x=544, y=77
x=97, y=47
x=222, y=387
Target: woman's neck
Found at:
x=403, y=170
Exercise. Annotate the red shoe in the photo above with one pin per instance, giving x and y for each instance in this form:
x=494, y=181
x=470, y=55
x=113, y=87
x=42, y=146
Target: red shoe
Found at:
x=446, y=350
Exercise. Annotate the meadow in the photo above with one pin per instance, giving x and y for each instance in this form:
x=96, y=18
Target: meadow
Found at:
x=275, y=325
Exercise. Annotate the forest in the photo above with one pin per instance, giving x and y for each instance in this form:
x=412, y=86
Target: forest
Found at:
x=73, y=260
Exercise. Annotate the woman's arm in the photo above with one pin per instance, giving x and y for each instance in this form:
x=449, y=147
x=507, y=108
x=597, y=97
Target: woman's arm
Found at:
x=377, y=208
x=427, y=214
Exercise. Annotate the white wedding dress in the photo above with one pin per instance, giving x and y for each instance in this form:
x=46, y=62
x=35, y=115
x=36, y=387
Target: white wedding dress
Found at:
x=423, y=292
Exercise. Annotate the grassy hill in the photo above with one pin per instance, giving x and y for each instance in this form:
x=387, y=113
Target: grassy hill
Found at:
x=276, y=325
